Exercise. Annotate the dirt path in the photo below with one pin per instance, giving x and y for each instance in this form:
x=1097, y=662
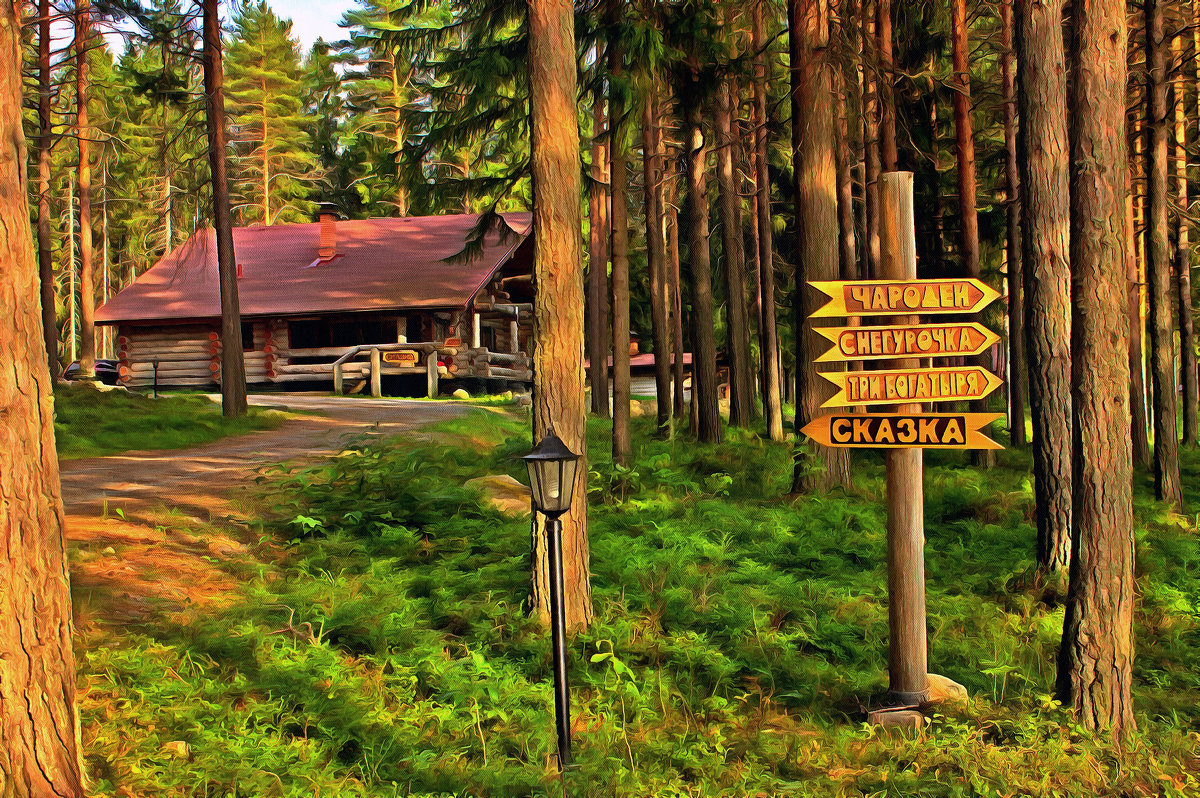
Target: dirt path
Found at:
x=155, y=533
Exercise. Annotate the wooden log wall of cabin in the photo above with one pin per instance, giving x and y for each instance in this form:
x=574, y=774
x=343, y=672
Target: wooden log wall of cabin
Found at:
x=184, y=354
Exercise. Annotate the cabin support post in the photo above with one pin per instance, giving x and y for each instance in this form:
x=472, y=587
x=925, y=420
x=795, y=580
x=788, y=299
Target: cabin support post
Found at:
x=431, y=375
x=907, y=651
x=476, y=335
x=514, y=343
x=401, y=330
x=376, y=374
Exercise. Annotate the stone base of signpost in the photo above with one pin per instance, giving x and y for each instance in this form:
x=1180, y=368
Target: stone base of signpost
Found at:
x=942, y=690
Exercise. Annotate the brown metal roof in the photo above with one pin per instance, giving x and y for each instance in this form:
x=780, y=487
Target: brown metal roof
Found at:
x=381, y=264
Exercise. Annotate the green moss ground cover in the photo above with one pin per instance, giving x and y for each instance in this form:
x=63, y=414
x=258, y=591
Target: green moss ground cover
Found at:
x=90, y=423
x=739, y=633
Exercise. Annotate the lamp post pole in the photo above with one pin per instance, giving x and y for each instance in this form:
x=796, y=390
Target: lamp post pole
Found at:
x=558, y=635
x=552, y=471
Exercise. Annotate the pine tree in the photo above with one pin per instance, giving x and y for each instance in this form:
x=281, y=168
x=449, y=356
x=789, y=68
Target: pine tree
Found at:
x=1045, y=229
x=274, y=166
x=1095, y=670
x=39, y=724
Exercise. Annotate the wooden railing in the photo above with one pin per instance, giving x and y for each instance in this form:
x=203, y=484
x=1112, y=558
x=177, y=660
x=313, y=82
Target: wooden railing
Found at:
x=375, y=351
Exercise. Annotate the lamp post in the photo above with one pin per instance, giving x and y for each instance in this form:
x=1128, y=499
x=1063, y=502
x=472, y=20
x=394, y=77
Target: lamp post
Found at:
x=155, y=379
x=552, y=473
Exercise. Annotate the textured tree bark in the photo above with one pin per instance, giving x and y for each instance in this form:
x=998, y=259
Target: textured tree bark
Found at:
x=871, y=152
x=39, y=727
x=769, y=343
x=1158, y=265
x=597, y=281
x=679, y=406
x=233, y=366
x=1183, y=252
x=1018, y=382
x=815, y=185
x=44, y=140
x=1045, y=226
x=1139, y=421
x=622, y=447
x=847, y=249
x=1139, y=426
x=558, y=305
x=656, y=256
x=886, y=86
x=704, y=349
x=83, y=128
x=964, y=150
x=1095, y=662
x=741, y=378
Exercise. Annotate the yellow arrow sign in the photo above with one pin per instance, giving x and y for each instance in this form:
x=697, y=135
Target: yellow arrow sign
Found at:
x=903, y=430
x=902, y=297
x=895, y=341
x=893, y=386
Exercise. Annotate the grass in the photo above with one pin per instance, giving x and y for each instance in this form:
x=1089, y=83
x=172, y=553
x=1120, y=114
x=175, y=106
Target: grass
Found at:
x=380, y=644
x=91, y=423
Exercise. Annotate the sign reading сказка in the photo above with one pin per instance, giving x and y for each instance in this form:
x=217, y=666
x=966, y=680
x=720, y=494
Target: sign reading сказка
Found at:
x=903, y=430
x=902, y=297
x=888, y=342
x=895, y=386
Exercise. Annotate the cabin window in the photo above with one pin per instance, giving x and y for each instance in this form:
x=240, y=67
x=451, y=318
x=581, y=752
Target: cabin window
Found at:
x=323, y=333
x=247, y=336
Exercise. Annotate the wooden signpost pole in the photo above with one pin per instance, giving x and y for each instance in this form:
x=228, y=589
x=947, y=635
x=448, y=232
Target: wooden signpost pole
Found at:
x=907, y=655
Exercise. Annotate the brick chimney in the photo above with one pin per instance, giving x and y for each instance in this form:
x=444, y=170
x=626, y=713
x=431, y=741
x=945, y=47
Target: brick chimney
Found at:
x=327, y=247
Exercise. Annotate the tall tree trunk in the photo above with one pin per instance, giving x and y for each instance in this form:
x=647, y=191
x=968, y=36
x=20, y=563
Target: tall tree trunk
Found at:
x=233, y=366
x=656, y=256
x=871, y=152
x=1183, y=252
x=1018, y=384
x=44, y=141
x=597, y=285
x=622, y=448
x=704, y=349
x=72, y=272
x=679, y=406
x=1158, y=265
x=847, y=251
x=769, y=343
x=815, y=175
x=39, y=726
x=737, y=330
x=1045, y=227
x=1095, y=662
x=87, y=288
x=1139, y=431
x=964, y=150
x=886, y=86
x=558, y=304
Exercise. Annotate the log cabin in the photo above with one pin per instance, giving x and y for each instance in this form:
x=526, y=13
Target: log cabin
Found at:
x=342, y=303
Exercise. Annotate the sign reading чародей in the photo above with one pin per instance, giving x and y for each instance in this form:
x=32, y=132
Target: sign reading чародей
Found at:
x=902, y=297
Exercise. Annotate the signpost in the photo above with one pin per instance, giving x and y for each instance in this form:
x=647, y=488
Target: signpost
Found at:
x=905, y=428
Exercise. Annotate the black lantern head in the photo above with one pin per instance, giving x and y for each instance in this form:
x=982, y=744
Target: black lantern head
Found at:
x=552, y=471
